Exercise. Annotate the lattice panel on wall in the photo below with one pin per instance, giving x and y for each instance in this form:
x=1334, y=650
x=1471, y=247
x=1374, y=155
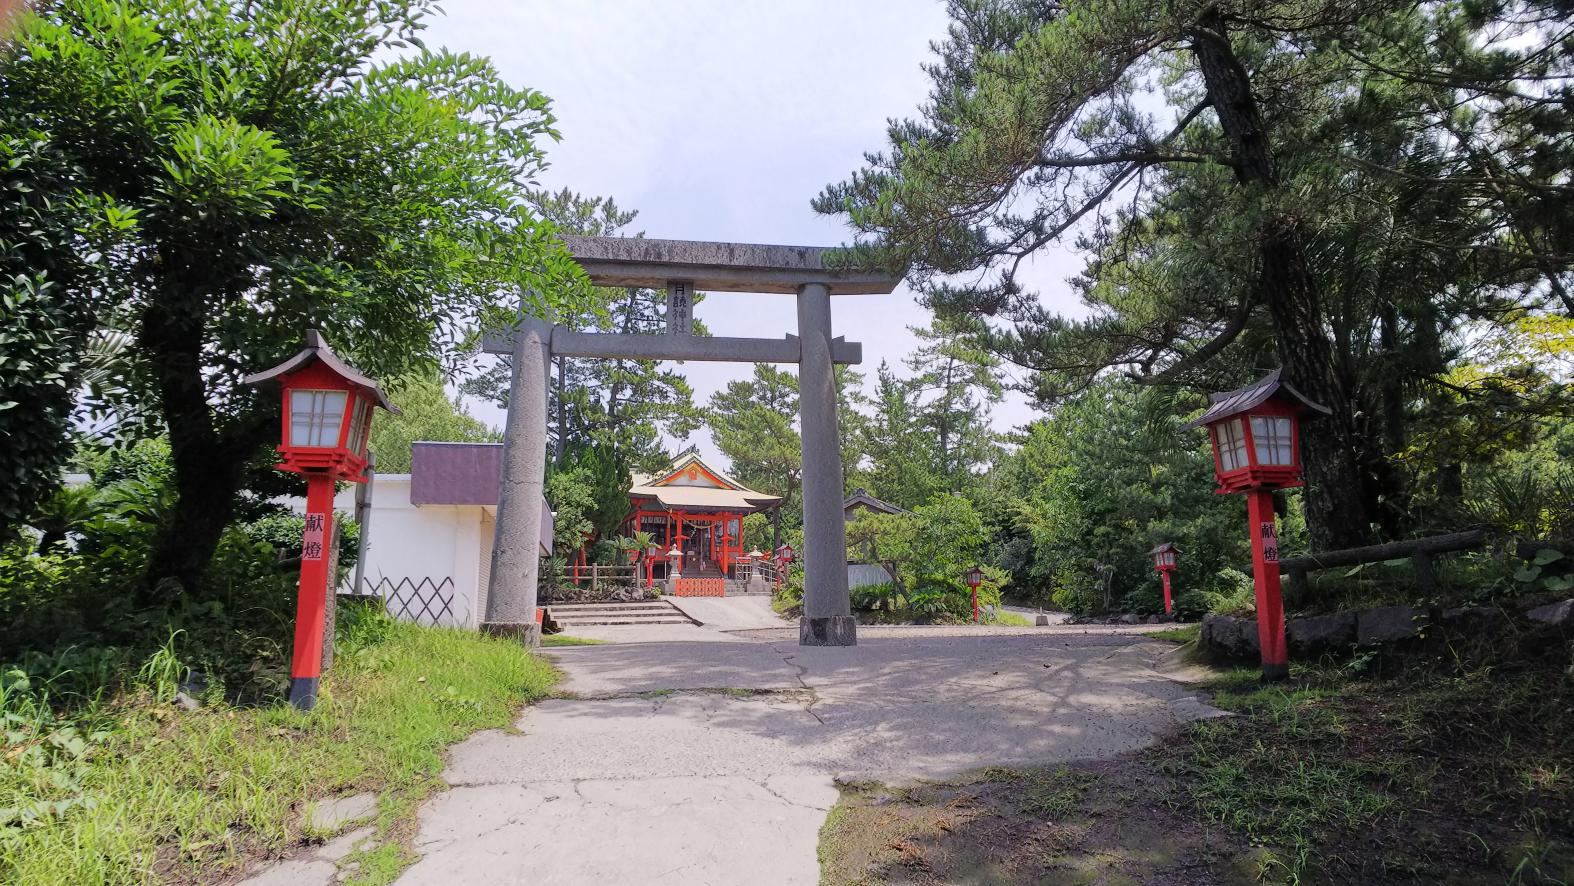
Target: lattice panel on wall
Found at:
x=700, y=587
x=423, y=601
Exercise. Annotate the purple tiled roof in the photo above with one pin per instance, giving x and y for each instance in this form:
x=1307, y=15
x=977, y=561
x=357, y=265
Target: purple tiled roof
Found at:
x=464, y=474
x=455, y=473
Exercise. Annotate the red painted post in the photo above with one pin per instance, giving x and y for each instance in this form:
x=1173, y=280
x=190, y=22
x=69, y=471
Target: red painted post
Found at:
x=312, y=599
x=975, y=604
x=1265, y=567
x=1168, y=607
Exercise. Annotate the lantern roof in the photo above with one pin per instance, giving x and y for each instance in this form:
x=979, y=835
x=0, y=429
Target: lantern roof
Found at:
x=1228, y=403
x=317, y=351
x=1165, y=548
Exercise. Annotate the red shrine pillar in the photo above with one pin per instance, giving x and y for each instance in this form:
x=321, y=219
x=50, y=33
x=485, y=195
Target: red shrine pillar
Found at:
x=1168, y=606
x=1265, y=566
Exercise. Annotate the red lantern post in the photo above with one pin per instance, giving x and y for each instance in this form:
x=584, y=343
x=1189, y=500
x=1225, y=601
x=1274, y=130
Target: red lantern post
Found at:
x=1255, y=433
x=975, y=577
x=1164, y=561
x=327, y=416
x=784, y=555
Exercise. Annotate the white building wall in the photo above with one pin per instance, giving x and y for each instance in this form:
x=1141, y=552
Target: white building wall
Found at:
x=862, y=574
x=484, y=580
x=418, y=557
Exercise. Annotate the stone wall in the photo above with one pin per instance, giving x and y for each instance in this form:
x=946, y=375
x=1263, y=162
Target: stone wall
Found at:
x=1310, y=637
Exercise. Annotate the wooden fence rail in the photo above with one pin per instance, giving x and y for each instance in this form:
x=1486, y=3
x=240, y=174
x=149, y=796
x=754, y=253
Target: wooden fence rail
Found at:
x=1420, y=551
x=595, y=574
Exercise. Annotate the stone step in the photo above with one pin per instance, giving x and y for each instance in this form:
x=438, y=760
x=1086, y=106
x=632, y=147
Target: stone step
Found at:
x=567, y=623
x=652, y=612
x=620, y=607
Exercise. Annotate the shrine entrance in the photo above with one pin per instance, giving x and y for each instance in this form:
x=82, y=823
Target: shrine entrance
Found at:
x=683, y=267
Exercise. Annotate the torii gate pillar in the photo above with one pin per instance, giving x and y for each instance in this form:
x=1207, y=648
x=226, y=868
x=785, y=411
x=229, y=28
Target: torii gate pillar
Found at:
x=827, y=610
x=516, y=557
x=683, y=267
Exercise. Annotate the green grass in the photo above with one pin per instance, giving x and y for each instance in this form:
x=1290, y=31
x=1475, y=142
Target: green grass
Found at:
x=139, y=791
x=1182, y=635
x=566, y=640
x=1291, y=779
x=1453, y=764
x=1014, y=619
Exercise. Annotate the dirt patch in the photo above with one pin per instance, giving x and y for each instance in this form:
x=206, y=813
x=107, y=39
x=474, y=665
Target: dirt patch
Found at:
x=1455, y=765
x=1096, y=823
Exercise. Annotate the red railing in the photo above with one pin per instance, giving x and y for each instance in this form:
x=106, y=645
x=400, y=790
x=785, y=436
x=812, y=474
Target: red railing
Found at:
x=700, y=587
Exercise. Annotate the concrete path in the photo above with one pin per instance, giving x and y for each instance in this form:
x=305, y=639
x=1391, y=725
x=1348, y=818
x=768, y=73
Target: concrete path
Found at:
x=714, y=761
x=719, y=618
x=731, y=613
x=1031, y=612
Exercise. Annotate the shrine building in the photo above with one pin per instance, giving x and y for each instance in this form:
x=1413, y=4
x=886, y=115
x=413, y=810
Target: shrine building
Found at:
x=697, y=508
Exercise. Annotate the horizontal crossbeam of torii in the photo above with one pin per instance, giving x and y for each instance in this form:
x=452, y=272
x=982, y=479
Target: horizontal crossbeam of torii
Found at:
x=683, y=267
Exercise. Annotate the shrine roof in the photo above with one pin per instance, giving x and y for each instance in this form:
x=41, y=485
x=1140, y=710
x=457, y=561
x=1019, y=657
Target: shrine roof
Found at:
x=690, y=483
x=862, y=499
x=720, y=267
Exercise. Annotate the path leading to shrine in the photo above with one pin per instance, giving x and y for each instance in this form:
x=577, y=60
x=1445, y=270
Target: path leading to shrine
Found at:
x=714, y=760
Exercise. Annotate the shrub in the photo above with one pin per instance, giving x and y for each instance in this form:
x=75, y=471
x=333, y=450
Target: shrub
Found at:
x=879, y=596
x=789, y=599
x=283, y=529
x=1228, y=590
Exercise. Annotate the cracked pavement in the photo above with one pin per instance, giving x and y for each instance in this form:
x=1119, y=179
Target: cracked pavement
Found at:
x=652, y=772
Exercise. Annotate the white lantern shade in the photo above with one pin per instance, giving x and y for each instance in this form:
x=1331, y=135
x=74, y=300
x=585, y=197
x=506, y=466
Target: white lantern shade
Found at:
x=316, y=417
x=360, y=426
x=1271, y=439
x=1232, y=445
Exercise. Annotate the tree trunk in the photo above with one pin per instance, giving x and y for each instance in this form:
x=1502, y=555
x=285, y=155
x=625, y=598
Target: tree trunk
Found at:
x=209, y=464
x=1336, y=514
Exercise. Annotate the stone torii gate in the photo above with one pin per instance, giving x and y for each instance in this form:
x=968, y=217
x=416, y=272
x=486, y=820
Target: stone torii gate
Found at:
x=682, y=267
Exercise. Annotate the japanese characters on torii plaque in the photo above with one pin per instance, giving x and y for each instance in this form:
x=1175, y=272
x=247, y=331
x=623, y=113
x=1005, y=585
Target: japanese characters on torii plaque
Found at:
x=680, y=307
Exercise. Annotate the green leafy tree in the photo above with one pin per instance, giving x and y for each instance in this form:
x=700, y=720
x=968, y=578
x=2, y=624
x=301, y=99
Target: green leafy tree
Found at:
x=899, y=451
x=930, y=550
x=625, y=405
x=752, y=422
x=572, y=498
x=1098, y=484
x=954, y=385
x=428, y=413
x=270, y=171
x=51, y=241
x=1331, y=181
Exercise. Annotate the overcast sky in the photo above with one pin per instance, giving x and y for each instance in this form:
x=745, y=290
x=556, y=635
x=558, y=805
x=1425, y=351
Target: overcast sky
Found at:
x=720, y=120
